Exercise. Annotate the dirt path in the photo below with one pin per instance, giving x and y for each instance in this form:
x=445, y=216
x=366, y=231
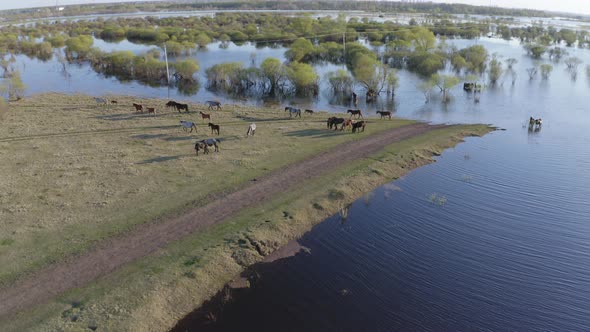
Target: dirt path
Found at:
x=146, y=239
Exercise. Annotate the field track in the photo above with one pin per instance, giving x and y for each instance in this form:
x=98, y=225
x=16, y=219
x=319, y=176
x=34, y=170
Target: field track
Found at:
x=146, y=239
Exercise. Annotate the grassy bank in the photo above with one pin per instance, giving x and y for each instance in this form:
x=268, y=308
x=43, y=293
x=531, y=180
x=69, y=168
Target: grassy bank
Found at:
x=106, y=154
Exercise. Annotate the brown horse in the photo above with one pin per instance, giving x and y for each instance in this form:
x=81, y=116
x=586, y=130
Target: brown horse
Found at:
x=214, y=128
x=309, y=111
x=334, y=122
x=358, y=113
x=138, y=107
x=205, y=116
x=114, y=102
x=347, y=123
x=384, y=114
x=359, y=125
x=151, y=110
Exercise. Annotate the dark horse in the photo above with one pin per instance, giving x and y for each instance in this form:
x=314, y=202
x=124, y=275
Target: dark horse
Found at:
x=178, y=106
x=138, y=107
x=214, y=128
x=205, y=144
x=205, y=116
x=334, y=122
x=358, y=113
x=358, y=125
x=309, y=111
x=384, y=114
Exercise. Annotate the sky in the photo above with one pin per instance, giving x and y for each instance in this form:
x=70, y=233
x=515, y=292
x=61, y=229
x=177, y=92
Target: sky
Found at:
x=572, y=6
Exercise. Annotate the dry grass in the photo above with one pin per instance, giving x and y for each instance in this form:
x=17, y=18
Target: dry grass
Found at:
x=74, y=172
x=154, y=292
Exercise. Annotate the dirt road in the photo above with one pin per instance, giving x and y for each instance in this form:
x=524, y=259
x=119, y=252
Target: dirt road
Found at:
x=146, y=239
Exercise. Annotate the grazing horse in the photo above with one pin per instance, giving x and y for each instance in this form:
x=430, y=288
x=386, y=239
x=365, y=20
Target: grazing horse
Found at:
x=186, y=125
x=205, y=144
x=205, y=116
x=359, y=125
x=138, y=107
x=293, y=110
x=358, y=113
x=171, y=103
x=214, y=128
x=213, y=103
x=329, y=123
x=384, y=114
x=347, y=123
x=309, y=111
x=100, y=100
x=180, y=107
x=114, y=102
x=151, y=110
x=251, y=130
x=334, y=122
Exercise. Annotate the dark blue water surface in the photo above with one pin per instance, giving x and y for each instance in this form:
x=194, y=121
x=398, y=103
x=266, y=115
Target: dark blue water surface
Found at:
x=495, y=236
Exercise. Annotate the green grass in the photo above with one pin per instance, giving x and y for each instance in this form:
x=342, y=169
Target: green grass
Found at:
x=75, y=172
x=154, y=292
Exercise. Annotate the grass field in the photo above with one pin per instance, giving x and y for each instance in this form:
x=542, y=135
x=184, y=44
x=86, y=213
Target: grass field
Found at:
x=74, y=172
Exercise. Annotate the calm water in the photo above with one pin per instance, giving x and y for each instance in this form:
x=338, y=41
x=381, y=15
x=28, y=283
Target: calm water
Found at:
x=509, y=250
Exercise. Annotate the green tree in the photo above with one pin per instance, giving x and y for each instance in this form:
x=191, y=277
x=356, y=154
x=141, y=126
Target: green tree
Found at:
x=303, y=77
x=495, y=71
x=14, y=86
x=202, y=40
x=546, y=70
x=444, y=83
x=274, y=72
x=300, y=49
x=535, y=50
x=340, y=80
x=424, y=39
x=186, y=68
x=476, y=57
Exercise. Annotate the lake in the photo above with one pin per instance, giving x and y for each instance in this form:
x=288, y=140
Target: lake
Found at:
x=494, y=236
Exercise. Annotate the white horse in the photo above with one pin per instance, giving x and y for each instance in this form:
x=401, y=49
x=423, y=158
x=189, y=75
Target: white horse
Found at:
x=186, y=125
x=251, y=130
x=100, y=100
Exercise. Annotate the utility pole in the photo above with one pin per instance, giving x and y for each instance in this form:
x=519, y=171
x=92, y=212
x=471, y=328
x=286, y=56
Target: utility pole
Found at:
x=344, y=46
x=167, y=70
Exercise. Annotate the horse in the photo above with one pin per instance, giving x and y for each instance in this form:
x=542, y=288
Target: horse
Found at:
x=205, y=116
x=293, y=110
x=100, y=100
x=213, y=103
x=251, y=130
x=171, y=103
x=180, y=107
x=384, y=114
x=347, y=123
x=329, y=123
x=334, y=122
x=354, y=99
x=535, y=122
x=151, y=110
x=358, y=113
x=359, y=125
x=205, y=144
x=114, y=102
x=214, y=128
x=138, y=107
x=309, y=111
x=188, y=124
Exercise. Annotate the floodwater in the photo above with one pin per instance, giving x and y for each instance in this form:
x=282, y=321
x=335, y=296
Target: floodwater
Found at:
x=494, y=236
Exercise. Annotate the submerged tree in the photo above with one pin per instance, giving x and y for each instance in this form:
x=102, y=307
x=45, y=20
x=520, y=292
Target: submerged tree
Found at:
x=303, y=77
x=340, y=81
x=274, y=72
x=444, y=83
x=535, y=50
x=532, y=71
x=496, y=70
x=373, y=76
x=546, y=70
x=13, y=85
x=573, y=63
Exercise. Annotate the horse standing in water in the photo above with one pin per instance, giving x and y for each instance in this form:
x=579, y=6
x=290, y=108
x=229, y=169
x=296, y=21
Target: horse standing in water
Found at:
x=205, y=144
x=293, y=110
x=251, y=130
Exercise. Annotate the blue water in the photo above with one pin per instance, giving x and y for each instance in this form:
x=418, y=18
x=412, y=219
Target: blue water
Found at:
x=495, y=236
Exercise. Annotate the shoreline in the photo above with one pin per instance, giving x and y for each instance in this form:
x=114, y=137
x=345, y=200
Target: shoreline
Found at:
x=203, y=262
